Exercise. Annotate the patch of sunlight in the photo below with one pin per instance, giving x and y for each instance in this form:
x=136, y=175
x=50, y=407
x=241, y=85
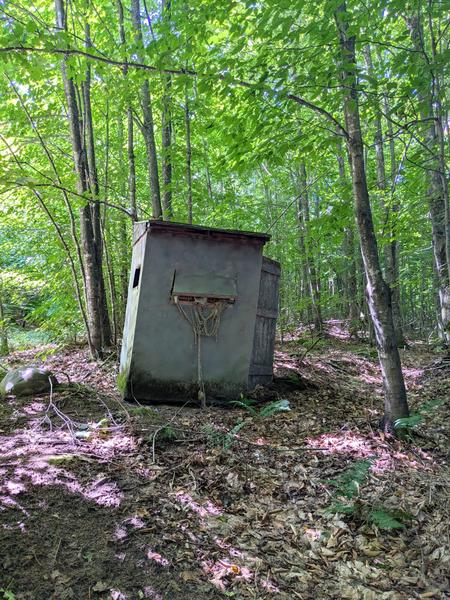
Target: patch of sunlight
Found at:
x=157, y=558
x=208, y=509
x=384, y=456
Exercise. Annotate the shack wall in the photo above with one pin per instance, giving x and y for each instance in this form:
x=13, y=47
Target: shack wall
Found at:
x=261, y=368
x=163, y=359
x=137, y=262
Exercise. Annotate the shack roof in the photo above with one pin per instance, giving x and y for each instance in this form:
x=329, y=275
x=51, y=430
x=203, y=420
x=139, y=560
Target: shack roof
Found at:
x=156, y=226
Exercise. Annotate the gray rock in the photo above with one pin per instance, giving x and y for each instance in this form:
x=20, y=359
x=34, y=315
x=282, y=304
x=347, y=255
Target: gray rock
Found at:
x=27, y=381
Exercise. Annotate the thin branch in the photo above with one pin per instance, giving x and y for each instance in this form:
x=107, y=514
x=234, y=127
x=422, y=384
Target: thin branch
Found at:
x=187, y=72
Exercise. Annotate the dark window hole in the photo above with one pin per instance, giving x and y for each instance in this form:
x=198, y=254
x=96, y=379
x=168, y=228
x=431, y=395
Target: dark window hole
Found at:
x=137, y=275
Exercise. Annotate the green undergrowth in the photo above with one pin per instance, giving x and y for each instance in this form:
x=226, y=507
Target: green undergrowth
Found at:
x=226, y=439
x=347, y=499
x=408, y=425
x=24, y=339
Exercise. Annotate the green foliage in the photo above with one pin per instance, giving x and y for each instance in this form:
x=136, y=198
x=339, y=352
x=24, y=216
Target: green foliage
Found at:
x=7, y=594
x=22, y=339
x=168, y=433
x=273, y=408
x=410, y=423
x=226, y=439
x=347, y=499
x=267, y=410
x=144, y=411
x=246, y=403
x=121, y=384
x=347, y=484
x=385, y=519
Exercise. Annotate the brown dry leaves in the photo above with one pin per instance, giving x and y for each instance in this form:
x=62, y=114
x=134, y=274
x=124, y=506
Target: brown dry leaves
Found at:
x=253, y=521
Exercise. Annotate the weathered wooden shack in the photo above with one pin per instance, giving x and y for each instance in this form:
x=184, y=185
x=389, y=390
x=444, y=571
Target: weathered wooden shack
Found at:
x=201, y=314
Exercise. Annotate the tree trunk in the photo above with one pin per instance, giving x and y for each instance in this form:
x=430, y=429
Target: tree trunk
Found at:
x=378, y=294
x=350, y=276
x=166, y=133
x=106, y=231
x=131, y=166
x=89, y=251
x=187, y=123
x=393, y=248
x=390, y=247
x=95, y=207
x=148, y=125
x=4, y=346
x=207, y=172
x=313, y=280
x=130, y=132
x=437, y=194
x=304, y=279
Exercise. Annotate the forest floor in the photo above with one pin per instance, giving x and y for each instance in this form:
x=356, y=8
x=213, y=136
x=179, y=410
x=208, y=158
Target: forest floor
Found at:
x=169, y=502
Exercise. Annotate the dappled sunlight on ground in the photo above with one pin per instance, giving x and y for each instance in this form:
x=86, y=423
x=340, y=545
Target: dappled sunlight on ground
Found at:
x=384, y=455
x=221, y=571
x=188, y=518
x=157, y=558
x=208, y=508
x=33, y=457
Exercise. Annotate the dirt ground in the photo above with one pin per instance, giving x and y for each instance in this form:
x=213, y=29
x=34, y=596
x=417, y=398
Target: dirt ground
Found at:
x=105, y=501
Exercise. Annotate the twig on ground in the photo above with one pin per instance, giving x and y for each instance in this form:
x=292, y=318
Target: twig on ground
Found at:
x=67, y=421
x=310, y=347
x=56, y=552
x=163, y=427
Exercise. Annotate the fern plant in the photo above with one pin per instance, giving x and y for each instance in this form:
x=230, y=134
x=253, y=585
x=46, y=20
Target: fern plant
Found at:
x=411, y=422
x=385, y=519
x=347, y=486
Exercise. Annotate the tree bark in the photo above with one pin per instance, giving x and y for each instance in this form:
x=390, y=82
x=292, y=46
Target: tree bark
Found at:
x=148, y=125
x=350, y=275
x=166, y=126
x=95, y=206
x=378, y=294
x=391, y=246
x=304, y=288
x=131, y=166
x=89, y=251
x=130, y=129
x=4, y=345
x=106, y=231
x=437, y=193
x=313, y=279
x=187, y=124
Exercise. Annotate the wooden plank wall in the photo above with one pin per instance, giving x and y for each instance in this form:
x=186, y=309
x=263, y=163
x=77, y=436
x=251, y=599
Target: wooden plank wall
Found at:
x=261, y=367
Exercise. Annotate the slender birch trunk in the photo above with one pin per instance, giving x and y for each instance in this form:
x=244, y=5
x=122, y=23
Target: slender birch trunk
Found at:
x=148, y=129
x=4, y=345
x=350, y=276
x=89, y=251
x=187, y=124
x=313, y=279
x=166, y=129
x=124, y=249
x=378, y=294
x=435, y=164
x=390, y=248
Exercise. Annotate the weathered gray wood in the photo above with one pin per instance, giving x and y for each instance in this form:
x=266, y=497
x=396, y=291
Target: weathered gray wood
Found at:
x=261, y=367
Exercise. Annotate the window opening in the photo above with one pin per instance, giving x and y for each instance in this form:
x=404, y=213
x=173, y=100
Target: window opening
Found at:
x=137, y=276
